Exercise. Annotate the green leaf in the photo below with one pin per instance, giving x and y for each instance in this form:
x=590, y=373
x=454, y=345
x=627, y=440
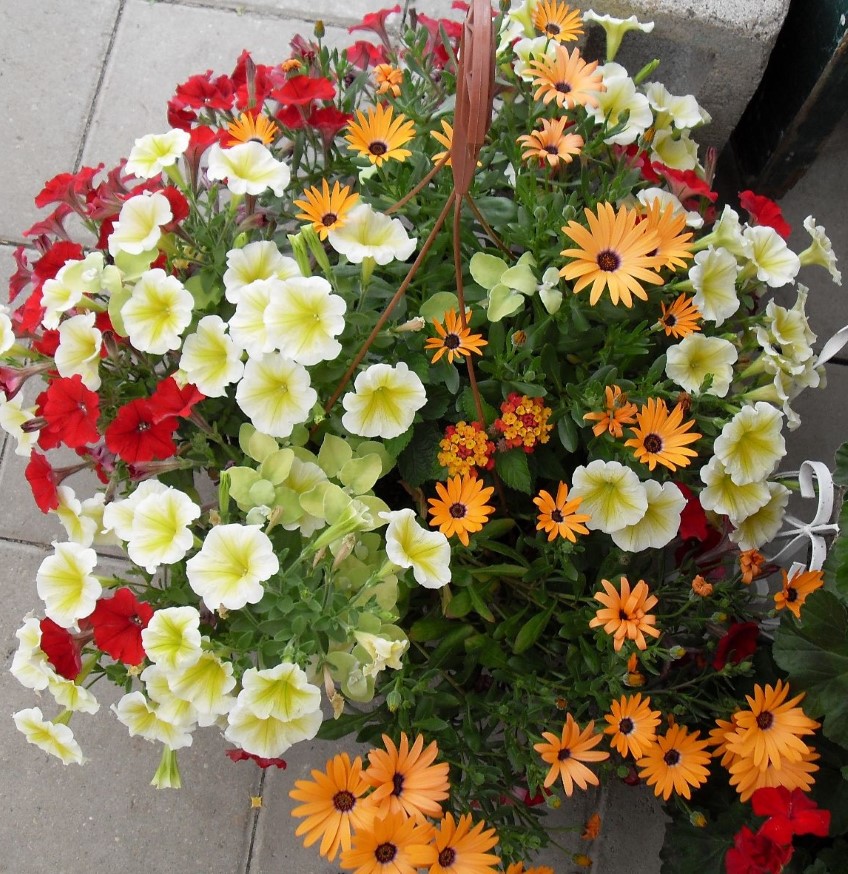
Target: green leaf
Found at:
x=459, y=605
x=486, y=270
x=690, y=850
x=815, y=655
x=531, y=631
x=435, y=307
x=503, y=302
x=568, y=435
x=513, y=469
x=419, y=461
x=498, y=210
x=469, y=407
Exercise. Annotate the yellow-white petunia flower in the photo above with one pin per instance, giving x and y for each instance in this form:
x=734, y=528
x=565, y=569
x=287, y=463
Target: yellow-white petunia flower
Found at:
x=118, y=515
x=79, y=527
x=615, y=28
x=660, y=524
x=71, y=696
x=169, y=706
x=695, y=357
x=210, y=359
x=683, y=112
x=206, y=685
x=160, y=532
x=675, y=149
x=261, y=260
x=7, y=332
x=139, y=224
x=268, y=736
x=79, y=350
x=247, y=324
x=722, y=495
x=172, y=637
x=58, y=740
x=777, y=265
x=384, y=401
x=158, y=311
x=151, y=154
x=248, y=168
x=370, y=234
x=283, y=692
x=410, y=545
x=820, y=250
x=620, y=99
x=71, y=283
x=750, y=444
x=142, y=718
x=713, y=276
x=275, y=393
x=761, y=527
x=12, y=417
x=66, y=584
x=30, y=666
x=383, y=652
x=611, y=494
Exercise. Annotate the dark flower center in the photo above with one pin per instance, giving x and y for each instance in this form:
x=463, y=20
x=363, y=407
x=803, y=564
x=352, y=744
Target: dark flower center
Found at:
x=608, y=261
x=452, y=341
x=378, y=148
x=329, y=219
x=562, y=755
x=765, y=720
x=458, y=511
x=792, y=595
x=653, y=443
x=625, y=726
x=385, y=853
x=551, y=150
x=623, y=615
x=397, y=782
x=344, y=801
x=562, y=87
x=672, y=757
x=552, y=29
x=669, y=319
x=447, y=857
x=556, y=516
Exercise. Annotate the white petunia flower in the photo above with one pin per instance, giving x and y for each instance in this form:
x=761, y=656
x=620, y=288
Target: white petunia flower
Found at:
x=169, y=706
x=750, y=444
x=151, y=154
x=139, y=224
x=527, y=50
x=210, y=358
x=612, y=495
x=56, y=739
x=249, y=168
x=261, y=260
x=160, y=530
x=247, y=324
x=118, y=515
x=12, y=417
x=674, y=149
x=71, y=696
x=30, y=666
x=66, y=584
x=7, y=332
x=231, y=566
x=761, y=527
x=619, y=99
x=615, y=28
x=648, y=195
x=275, y=393
x=158, y=311
x=172, y=638
x=408, y=544
x=722, y=495
x=384, y=653
x=683, y=112
x=143, y=719
x=283, y=692
x=777, y=265
x=80, y=527
x=206, y=685
x=690, y=361
x=72, y=282
x=384, y=401
x=714, y=278
x=79, y=350
x=303, y=318
x=370, y=234
x=269, y=737
x=660, y=524
x=820, y=250
x=727, y=233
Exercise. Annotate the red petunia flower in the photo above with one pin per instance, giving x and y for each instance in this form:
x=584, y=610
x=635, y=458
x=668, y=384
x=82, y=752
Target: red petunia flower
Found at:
x=135, y=434
x=22, y=276
x=118, y=622
x=738, y=644
x=764, y=211
x=70, y=188
x=302, y=90
x=203, y=92
x=48, y=342
x=72, y=411
x=170, y=400
x=693, y=519
x=292, y=117
x=179, y=207
x=376, y=22
x=61, y=648
x=790, y=813
x=687, y=186
x=364, y=54
x=52, y=225
x=328, y=121
x=242, y=756
x=42, y=480
x=755, y=854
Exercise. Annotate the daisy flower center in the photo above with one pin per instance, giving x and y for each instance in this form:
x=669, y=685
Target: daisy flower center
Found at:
x=669, y=320
x=385, y=853
x=378, y=148
x=551, y=150
x=792, y=595
x=447, y=857
x=556, y=516
x=452, y=341
x=671, y=758
x=552, y=29
x=562, y=87
x=344, y=801
x=397, y=782
x=653, y=443
x=608, y=261
x=458, y=511
x=562, y=755
x=765, y=720
x=626, y=725
x=329, y=219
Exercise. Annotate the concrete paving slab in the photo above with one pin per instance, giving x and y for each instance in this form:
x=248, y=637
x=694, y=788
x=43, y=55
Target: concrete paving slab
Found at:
x=104, y=815
x=52, y=56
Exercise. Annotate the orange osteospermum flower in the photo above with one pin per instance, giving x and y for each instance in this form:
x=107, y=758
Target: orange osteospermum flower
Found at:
x=251, y=128
x=676, y=762
x=680, y=318
x=332, y=805
x=393, y=844
x=379, y=136
x=634, y=676
x=551, y=143
x=388, y=79
x=632, y=724
x=518, y=868
x=746, y=777
x=558, y=21
x=625, y=614
x=770, y=732
x=615, y=253
x=566, y=79
x=566, y=754
x=405, y=780
x=673, y=247
x=592, y=828
x=718, y=739
x=750, y=564
x=661, y=437
x=458, y=848
x=795, y=591
x=559, y=516
x=701, y=587
x=454, y=340
x=618, y=412
x=461, y=507
x=324, y=208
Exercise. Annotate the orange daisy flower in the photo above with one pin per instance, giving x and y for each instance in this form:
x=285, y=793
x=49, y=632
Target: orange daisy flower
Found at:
x=746, y=777
x=558, y=21
x=615, y=253
x=681, y=318
x=394, y=844
x=701, y=587
x=332, y=807
x=566, y=754
x=770, y=732
x=324, y=208
x=458, y=848
x=661, y=436
x=674, y=247
x=453, y=339
x=559, y=517
x=617, y=413
x=795, y=591
x=632, y=725
x=750, y=564
x=251, y=128
x=405, y=780
x=566, y=79
x=379, y=136
x=388, y=79
x=461, y=507
x=518, y=868
x=675, y=763
x=551, y=143
x=634, y=676
x=625, y=614
x=718, y=739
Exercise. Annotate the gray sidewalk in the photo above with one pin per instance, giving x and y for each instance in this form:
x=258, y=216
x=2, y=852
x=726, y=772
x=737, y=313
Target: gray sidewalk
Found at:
x=80, y=80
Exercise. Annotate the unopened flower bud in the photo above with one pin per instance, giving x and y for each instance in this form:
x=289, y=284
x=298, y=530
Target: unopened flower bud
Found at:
x=319, y=30
x=416, y=324
x=393, y=700
x=698, y=819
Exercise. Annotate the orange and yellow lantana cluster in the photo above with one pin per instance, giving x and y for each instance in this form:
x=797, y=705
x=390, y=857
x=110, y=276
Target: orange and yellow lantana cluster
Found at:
x=464, y=448
x=524, y=422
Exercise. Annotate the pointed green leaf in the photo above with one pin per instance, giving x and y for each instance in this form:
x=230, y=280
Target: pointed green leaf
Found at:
x=513, y=469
